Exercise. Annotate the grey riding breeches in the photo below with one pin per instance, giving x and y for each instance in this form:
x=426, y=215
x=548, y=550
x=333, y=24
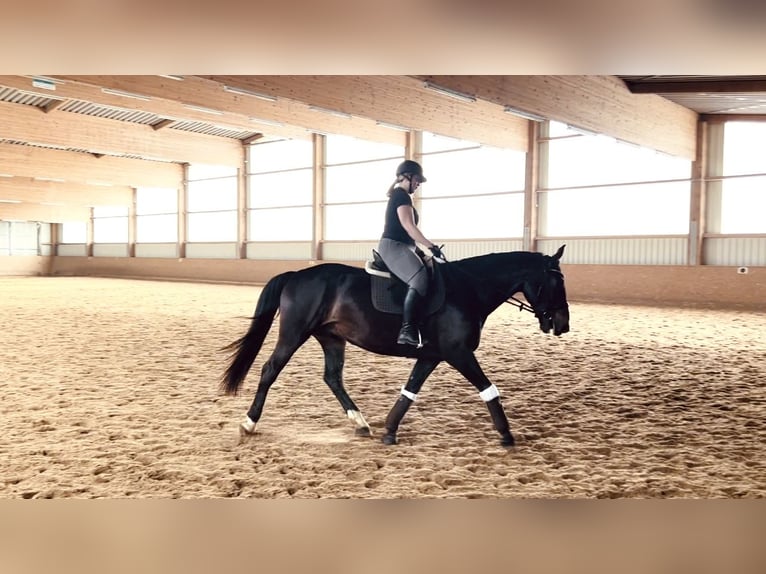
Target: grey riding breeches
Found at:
x=403, y=262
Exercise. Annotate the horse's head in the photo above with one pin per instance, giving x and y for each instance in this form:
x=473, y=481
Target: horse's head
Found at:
x=545, y=292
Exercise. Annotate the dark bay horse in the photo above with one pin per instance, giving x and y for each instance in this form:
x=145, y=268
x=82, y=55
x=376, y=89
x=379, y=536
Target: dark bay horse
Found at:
x=332, y=303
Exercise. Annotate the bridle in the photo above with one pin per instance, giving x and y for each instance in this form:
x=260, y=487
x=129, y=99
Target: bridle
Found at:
x=524, y=306
x=519, y=304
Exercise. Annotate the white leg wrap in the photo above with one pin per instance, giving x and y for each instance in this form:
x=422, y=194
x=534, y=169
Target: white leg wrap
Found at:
x=357, y=417
x=489, y=393
x=248, y=425
x=412, y=396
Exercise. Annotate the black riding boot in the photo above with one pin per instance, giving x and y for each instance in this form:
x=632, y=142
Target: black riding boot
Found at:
x=408, y=335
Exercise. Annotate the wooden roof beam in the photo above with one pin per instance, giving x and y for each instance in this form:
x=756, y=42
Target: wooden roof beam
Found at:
x=28, y=161
x=52, y=105
x=163, y=124
x=72, y=90
x=189, y=98
x=113, y=137
x=709, y=86
x=30, y=190
x=601, y=104
x=45, y=213
x=395, y=100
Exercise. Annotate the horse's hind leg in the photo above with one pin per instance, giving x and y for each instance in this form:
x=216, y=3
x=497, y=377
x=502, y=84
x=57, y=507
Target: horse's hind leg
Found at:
x=285, y=348
x=334, y=357
x=409, y=393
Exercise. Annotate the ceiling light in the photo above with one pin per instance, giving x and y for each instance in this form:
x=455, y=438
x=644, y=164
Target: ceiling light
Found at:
x=124, y=94
x=203, y=110
x=582, y=131
x=267, y=122
x=5, y=175
x=392, y=126
x=244, y=92
x=45, y=83
x=55, y=179
x=450, y=92
x=523, y=114
x=331, y=112
x=172, y=77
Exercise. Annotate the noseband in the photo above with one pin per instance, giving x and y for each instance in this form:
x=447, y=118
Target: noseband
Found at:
x=523, y=306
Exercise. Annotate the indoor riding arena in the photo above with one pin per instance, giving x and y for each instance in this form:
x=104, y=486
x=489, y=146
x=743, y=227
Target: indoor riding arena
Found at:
x=137, y=235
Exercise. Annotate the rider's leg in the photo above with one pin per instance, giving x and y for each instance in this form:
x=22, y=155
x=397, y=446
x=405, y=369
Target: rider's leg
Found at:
x=411, y=313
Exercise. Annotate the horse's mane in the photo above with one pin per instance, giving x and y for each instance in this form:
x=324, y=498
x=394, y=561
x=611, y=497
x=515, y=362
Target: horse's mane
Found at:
x=466, y=278
x=490, y=261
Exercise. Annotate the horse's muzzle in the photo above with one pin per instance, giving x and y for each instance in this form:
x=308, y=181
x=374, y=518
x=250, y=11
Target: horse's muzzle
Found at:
x=560, y=321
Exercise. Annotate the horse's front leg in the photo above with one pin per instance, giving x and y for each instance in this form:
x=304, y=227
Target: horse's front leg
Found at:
x=465, y=362
x=408, y=395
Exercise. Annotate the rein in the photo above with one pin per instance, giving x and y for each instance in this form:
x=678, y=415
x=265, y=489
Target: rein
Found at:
x=520, y=305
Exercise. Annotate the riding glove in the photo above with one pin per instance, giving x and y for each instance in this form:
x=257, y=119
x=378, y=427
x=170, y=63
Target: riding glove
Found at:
x=436, y=251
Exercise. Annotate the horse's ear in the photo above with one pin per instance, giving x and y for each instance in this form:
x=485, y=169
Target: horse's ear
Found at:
x=559, y=253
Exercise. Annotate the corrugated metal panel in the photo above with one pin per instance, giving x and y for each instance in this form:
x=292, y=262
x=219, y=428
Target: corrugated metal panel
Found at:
x=455, y=250
x=276, y=250
x=110, y=250
x=348, y=251
x=735, y=251
x=212, y=251
x=73, y=250
x=168, y=250
x=361, y=251
x=43, y=145
x=620, y=250
x=14, y=96
x=212, y=129
x=110, y=112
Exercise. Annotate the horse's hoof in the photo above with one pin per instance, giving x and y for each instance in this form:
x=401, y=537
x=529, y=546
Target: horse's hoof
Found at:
x=389, y=439
x=244, y=434
x=508, y=441
x=363, y=431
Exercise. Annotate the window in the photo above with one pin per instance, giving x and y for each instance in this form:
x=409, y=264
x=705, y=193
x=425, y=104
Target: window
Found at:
x=110, y=224
x=598, y=160
x=473, y=191
x=357, y=177
x=74, y=232
x=590, y=167
x=281, y=224
x=280, y=191
x=630, y=210
x=482, y=217
x=156, y=215
x=211, y=203
x=743, y=199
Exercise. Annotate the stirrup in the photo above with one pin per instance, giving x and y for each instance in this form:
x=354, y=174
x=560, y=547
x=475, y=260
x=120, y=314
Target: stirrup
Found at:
x=406, y=337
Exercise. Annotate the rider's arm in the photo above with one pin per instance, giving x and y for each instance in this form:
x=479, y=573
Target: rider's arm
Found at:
x=407, y=219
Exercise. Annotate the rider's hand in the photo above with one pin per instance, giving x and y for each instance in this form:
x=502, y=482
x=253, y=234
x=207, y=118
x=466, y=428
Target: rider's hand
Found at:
x=436, y=251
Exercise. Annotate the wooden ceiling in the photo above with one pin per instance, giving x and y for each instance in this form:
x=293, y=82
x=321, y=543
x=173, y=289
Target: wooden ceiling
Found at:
x=707, y=95
x=77, y=141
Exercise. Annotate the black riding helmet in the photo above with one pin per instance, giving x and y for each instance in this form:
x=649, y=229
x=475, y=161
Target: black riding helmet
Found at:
x=409, y=167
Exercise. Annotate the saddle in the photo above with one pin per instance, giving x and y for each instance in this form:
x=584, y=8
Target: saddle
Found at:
x=388, y=291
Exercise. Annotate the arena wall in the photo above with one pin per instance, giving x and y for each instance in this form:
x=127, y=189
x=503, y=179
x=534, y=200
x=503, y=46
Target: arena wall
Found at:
x=25, y=265
x=697, y=286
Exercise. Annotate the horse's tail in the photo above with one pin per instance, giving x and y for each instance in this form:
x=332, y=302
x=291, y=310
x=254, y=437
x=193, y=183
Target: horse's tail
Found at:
x=246, y=348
